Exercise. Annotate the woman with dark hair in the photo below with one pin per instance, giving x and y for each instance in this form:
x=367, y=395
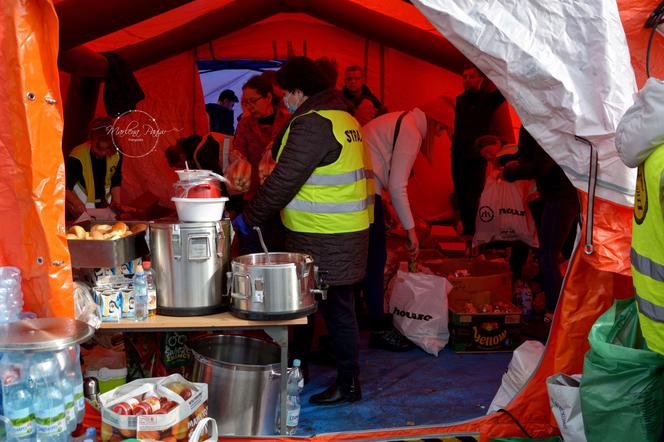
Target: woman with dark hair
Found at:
x=260, y=123
x=258, y=126
x=319, y=187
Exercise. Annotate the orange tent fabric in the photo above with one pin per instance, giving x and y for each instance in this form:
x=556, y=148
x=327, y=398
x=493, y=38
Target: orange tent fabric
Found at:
x=31, y=162
x=32, y=181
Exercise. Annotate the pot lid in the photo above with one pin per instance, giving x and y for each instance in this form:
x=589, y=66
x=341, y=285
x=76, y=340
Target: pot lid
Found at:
x=43, y=334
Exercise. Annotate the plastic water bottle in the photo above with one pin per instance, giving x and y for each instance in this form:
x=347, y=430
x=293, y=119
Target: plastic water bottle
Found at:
x=11, y=296
x=140, y=294
x=294, y=388
x=49, y=407
x=151, y=279
x=76, y=376
x=17, y=397
x=67, y=389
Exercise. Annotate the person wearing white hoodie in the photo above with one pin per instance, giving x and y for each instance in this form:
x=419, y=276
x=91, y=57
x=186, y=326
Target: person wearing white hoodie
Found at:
x=640, y=143
x=393, y=140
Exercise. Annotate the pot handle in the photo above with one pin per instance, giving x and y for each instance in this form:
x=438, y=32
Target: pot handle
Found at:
x=308, y=262
x=234, y=275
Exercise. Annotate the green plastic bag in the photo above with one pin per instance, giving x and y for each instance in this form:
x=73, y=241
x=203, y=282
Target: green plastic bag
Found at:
x=622, y=397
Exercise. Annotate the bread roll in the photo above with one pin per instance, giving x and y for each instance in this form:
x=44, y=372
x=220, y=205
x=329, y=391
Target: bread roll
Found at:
x=136, y=228
x=96, y=235
x=113, y=235
x=72, y=236
x=119, y=227
x=103, y=228
x=78, y=231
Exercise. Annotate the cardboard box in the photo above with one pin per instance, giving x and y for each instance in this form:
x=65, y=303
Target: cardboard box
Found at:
x=484, y=276
x=179, y=423
x=444, y=234
x=483, y=332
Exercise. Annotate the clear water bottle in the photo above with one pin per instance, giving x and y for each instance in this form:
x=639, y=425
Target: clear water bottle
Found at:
x=140, y=294
x=17, y=397
x=76, y=376
x=49, y=407
x=11, y=296
x=67, y=389
x=151, y=280
x=294, y=388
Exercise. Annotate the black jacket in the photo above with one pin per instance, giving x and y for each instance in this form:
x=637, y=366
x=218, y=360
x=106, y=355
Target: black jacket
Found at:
x=366, y=92
x=310, y=144
x=472, y=119
x=534, y=162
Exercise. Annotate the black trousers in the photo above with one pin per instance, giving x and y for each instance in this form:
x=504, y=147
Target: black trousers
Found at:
x=339, y=314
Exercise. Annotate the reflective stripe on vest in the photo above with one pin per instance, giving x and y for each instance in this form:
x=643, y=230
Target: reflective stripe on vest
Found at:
x=334, y=198
x=82, y=154
x=647, y=254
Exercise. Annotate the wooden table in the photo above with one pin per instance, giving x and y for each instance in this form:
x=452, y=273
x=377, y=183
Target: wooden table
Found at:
x=277, y=330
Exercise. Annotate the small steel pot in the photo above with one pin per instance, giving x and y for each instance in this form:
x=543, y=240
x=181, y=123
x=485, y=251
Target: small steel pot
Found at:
x=271, y=286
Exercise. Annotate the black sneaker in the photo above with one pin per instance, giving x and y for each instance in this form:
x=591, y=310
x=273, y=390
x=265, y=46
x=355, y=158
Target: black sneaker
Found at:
x=390, y=340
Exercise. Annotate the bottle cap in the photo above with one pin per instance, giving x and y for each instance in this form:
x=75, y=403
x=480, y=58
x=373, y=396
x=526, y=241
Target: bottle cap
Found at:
x=90, y=387
x=296, y=362
x=146, y=265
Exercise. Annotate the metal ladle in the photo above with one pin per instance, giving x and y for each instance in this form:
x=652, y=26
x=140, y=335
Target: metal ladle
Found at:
x=260, y=238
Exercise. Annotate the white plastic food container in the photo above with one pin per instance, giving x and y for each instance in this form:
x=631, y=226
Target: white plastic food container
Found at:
x=200, y=209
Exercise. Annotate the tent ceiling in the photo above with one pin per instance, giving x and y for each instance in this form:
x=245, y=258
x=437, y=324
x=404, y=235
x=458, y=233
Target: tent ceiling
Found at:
x=172, y=30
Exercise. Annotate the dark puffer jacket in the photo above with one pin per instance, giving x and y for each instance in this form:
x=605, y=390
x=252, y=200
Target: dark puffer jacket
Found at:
x=311, y=144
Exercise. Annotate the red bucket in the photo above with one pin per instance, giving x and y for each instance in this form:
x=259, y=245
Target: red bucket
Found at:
x=197, y=189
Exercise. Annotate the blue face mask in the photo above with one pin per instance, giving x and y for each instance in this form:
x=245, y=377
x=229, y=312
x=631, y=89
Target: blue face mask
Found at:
x=291, y=107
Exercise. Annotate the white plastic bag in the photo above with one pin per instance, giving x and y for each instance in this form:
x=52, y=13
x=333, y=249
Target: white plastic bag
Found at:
x=521, y=367
x=503, y=214
x=200, y=428
x=418, y=304
x=565, y=403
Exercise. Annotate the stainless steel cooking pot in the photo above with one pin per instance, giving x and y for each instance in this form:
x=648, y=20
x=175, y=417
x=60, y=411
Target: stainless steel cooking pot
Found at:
x=189, y=261
x=271, y=286
x=242, y=374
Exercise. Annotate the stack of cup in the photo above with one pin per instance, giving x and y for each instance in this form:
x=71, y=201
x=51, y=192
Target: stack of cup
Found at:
x=11, y=296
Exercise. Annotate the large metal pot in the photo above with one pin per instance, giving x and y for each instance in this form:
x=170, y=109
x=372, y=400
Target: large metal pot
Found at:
x=242, y=374
x=271, y=286
x=189, y=261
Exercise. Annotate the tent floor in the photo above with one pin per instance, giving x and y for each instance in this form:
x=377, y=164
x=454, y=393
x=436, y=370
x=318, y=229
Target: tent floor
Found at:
x=405, y=389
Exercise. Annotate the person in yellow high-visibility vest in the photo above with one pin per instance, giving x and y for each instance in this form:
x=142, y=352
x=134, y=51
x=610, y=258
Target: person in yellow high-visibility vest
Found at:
x=94, y=171
x=319, y=186
x=640, y=143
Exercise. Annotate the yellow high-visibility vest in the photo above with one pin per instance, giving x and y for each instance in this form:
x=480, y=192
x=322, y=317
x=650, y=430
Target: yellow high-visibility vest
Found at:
x=647, y=253
x=82, y=154
x=334, y=199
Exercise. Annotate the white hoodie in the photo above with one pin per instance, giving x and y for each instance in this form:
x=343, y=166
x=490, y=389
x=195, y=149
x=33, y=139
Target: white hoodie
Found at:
x=641, y=129
x=392, y=168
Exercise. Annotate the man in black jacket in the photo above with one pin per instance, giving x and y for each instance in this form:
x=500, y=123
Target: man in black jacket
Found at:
x=320, y=133
x=355, y=87
x=472, y=119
